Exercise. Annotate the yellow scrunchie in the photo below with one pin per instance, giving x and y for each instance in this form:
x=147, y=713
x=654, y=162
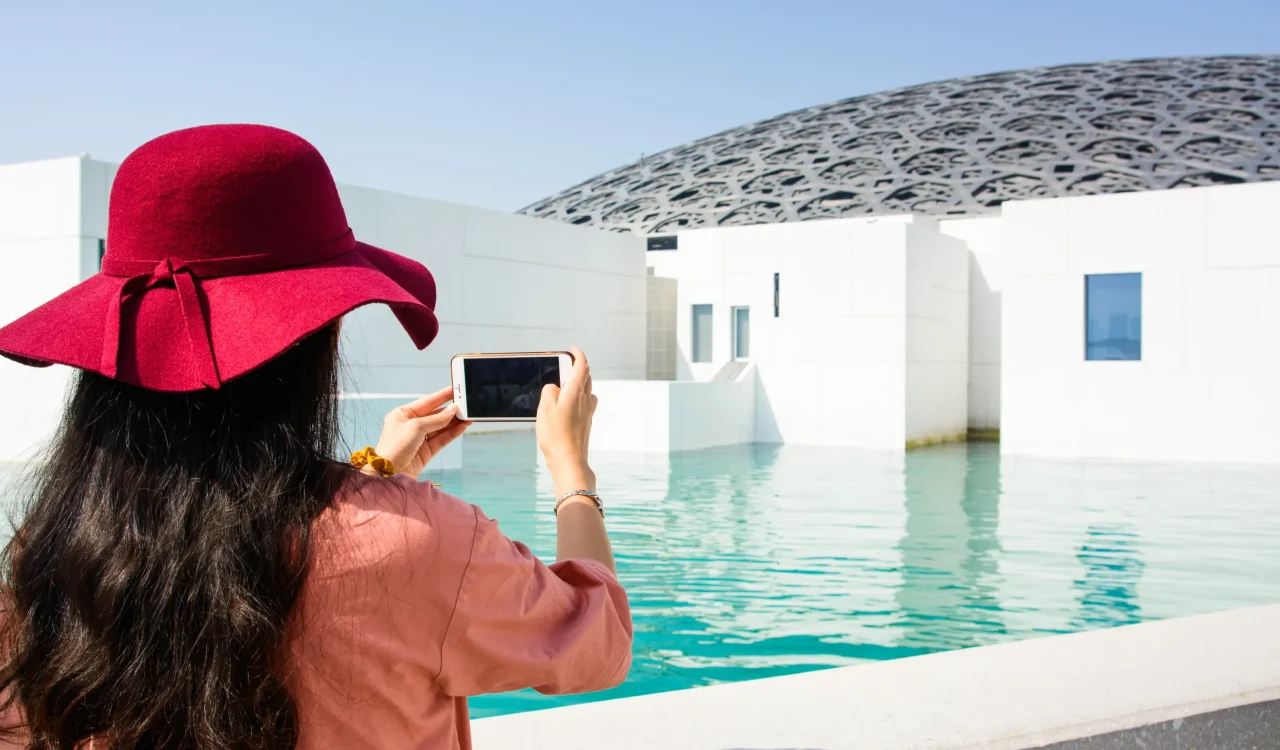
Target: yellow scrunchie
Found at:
x=369, y=457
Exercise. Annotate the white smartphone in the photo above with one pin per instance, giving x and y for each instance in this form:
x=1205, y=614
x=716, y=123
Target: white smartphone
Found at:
x=505, y=387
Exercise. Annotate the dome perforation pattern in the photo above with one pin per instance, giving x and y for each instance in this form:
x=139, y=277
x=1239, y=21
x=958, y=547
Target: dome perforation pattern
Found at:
x=959, y=147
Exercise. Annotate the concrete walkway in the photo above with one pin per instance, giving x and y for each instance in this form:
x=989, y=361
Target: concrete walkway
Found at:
x=1017, y=695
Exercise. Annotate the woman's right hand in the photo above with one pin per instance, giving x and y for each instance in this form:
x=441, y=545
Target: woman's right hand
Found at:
x=564, y=427
x=415, y=433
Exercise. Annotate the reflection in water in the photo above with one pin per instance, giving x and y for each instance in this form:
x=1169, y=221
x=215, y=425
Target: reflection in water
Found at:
x=981, y=503
x=1108, y=590
x=948, y=597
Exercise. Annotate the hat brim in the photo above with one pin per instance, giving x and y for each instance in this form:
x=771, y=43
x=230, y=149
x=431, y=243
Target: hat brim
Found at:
x=252, y=318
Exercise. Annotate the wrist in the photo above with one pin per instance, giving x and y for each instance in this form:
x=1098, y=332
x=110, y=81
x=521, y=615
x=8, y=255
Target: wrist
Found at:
x=576, y=475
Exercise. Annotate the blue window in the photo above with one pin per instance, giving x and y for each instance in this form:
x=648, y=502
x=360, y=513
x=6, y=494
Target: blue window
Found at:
x=702, y=333
x=1113, y=316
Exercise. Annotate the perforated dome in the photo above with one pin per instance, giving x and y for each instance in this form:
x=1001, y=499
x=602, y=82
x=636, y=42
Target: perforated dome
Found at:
x=958, y=147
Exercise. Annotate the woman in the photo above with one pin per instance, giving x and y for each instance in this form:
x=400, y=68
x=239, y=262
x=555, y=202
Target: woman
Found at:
x=194, y=569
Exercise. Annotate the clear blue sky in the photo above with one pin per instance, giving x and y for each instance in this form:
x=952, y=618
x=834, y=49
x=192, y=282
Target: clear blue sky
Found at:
x=500, y=103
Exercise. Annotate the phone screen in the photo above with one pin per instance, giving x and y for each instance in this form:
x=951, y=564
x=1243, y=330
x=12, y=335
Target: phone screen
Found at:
x=507, y=387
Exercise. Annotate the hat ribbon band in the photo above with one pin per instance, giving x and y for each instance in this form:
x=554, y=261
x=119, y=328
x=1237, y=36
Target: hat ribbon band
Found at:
x=240, y=265
x=193, y=317
x=183, y=275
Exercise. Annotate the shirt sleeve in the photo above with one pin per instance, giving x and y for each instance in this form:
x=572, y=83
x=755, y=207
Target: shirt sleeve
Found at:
x=517, y=623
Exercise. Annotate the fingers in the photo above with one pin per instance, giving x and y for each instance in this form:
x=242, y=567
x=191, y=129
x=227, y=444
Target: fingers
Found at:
x=437, y=420
x=450, y=433
x=426, y=405
x=550, y=395
x=592, y=402
x=580, y=373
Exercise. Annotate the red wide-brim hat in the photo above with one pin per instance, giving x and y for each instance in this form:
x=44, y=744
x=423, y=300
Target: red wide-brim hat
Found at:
x=226, y=244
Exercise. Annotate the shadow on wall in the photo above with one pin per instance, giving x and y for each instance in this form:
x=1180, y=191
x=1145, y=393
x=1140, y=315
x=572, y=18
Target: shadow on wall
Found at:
x=684, y=369
x=984, y=323
x=766, y=423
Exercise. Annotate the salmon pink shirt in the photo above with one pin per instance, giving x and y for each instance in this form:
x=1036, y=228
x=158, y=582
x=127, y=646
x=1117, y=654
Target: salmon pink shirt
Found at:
x=415, y=600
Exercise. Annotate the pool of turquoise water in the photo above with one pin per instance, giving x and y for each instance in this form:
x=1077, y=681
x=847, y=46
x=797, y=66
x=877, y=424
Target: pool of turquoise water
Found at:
x=756, y=561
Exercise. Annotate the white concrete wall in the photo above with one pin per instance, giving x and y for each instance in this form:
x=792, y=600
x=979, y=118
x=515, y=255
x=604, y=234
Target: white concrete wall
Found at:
x=632, y=415
x=659, y=416
x=52, y=214
x=984, y=236
x=1206, y=387
x=832, y=365
x=505, y=283
x=937, y=327
x=704, y=415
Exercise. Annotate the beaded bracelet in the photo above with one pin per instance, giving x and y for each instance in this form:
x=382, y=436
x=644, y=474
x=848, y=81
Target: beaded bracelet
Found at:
x=580, y=493
x=369, y=457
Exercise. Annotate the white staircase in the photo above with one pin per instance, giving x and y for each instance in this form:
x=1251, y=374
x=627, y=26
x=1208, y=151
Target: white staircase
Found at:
x=730, y=372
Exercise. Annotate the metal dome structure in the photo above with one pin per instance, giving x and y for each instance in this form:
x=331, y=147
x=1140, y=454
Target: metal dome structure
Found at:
x=958, y=147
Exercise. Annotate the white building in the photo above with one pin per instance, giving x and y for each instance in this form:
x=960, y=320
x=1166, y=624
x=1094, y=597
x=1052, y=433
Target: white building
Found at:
x=1134, y=326
x=505, y=283
x=1204, y=384
x=858, y=327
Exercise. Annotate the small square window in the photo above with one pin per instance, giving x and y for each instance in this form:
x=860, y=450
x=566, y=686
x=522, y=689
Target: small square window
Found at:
x=1113, y=316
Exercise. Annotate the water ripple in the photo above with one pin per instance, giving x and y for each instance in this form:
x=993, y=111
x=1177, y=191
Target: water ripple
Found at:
x=756, y=561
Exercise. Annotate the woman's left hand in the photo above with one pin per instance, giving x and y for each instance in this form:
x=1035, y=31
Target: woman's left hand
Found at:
x=415, y=433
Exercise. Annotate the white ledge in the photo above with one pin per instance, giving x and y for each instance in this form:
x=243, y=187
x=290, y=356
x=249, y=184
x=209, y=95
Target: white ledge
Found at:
x=1014, y=695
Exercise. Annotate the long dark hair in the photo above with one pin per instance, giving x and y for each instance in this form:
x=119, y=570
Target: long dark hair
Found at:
x=164, y=545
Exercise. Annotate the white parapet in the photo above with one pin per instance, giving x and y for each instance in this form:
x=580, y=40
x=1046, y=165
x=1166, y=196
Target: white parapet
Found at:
x=654, y=416
x=1016, y=695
